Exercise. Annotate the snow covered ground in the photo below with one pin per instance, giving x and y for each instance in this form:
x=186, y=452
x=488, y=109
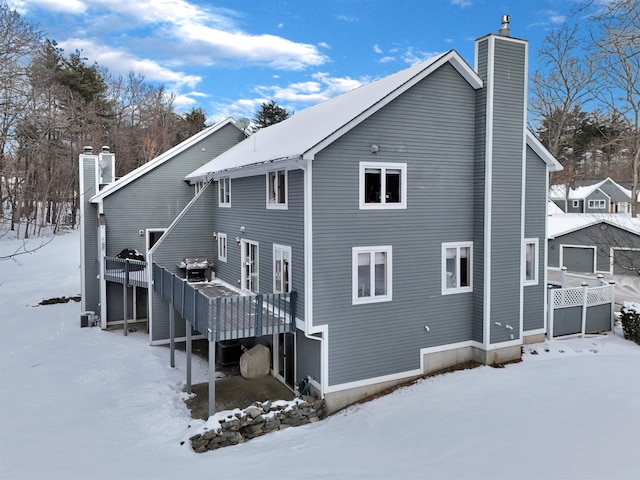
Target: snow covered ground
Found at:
x=84, y=403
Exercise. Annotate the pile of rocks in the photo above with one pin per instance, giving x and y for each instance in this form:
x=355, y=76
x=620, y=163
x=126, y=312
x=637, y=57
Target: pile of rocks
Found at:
x=237, y=426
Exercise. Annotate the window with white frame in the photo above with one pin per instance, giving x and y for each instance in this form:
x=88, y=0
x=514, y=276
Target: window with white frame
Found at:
x=600, y=203
x=222, y=247
x=530, y=273
x=622, y=207
x=224, y=192
x=576, y=203
x=371, y=274
x=383, y=185
x=198, y=187
x=281, y=269
x=457, y=269
x=277, y=189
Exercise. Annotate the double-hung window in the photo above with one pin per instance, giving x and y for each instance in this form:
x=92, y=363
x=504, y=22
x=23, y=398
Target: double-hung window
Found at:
x=277, y=189
x=599, y=203
x=530, y=274
x=371, y=274
x=222, y=247
x=457, y=268
x=281, y=268
x=383, y=185
x=224, y=192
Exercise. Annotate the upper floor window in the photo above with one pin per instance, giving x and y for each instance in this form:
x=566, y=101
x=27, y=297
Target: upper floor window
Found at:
x=600, y=203
x=371, y=274
x=457, y=267
x=224, y=192
x=281, y=268
x=277, y=189
x=576, y=203
x=198, y=187
x=530, y=261
x=222, y=247
x=383, y=185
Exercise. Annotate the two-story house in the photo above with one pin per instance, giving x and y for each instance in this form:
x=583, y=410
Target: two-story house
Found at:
x=409, y=216
x=603, y=197
x=130, y=214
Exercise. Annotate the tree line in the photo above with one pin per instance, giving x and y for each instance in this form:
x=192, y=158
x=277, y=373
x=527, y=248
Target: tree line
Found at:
x=52, y=105
x=586, y=94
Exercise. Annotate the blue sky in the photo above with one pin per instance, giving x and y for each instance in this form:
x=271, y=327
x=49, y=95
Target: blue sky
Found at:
x=228, y=57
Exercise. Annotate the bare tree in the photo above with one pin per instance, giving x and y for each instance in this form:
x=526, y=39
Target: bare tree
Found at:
x=560, y=88
x=615, y=44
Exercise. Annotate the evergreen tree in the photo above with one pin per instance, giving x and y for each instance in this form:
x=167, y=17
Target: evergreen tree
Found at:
x=270, y=113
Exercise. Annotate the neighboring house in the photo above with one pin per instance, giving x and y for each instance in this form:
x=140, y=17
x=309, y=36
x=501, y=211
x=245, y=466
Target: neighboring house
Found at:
x=606, y=245
x=605, y=196
x=131, y=213
x=408, y=215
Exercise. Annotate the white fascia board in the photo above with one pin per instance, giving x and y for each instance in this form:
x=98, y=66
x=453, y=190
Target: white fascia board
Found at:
x=544, y=154
x=161, y=159
x=251, y=170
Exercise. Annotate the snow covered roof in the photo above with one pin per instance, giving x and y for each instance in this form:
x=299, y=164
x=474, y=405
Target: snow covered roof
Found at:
x=563, y=223
x=160, y=159
x=302, y=135
x=558, y=192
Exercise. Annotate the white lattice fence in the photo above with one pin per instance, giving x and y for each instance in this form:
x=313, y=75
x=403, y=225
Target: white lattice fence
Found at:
x=582, y=297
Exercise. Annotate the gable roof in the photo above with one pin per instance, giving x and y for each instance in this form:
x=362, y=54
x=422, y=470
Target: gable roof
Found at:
x=161, y=159
x=559, y=192
x=544, y=154
x=564, y=223
x=302, y=135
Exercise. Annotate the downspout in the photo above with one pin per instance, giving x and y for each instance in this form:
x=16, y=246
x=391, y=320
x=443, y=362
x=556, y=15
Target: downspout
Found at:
x=305, y=165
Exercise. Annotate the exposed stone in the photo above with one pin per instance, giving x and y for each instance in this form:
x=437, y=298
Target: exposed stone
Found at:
x=254, y=363
x=238, y=427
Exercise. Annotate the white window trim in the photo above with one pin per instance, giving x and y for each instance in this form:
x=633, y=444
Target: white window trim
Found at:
x=198, y=187
x=221, y=202
x=536, y=243
x=453, y=290
x=403, y=186
x=576, y=203
x=278, y=206
x=222, y=242
x=287, y=249
x=356, y=300
x=600, y=201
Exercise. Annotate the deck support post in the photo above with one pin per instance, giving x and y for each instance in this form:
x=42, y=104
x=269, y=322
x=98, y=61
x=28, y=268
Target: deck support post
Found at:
x=212, y=377
x=188, y=348
x=124, y=294
x=172, y=336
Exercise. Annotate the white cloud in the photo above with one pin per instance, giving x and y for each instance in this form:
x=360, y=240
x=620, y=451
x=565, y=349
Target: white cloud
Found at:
x=65, y=6
x=377, y=49
x=558, y=19
x=461, y=3
x=120, y=62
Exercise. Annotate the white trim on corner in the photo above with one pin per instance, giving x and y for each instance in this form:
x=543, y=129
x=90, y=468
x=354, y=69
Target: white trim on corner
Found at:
x=546, y=251
x=524, y=185
x=486, y=307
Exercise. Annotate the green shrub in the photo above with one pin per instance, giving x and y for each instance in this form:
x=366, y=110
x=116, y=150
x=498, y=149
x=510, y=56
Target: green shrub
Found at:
x=630, y=319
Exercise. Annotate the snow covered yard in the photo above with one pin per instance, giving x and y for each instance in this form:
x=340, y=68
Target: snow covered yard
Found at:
x=85, y=403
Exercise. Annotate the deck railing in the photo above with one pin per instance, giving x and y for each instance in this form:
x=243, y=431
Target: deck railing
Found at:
x=125, y=271
x=226, y=318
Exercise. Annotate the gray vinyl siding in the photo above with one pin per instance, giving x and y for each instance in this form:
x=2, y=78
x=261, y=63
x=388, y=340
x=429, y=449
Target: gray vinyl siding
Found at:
x=535, y=223
x=377, y=339
x=597, y=195
x=570, y=208
x=155, y=199
x=479, y=197
x=506, y=184
x=616, y=195
x=264, y=226
x=307, y=358
x=189, y=236
x=115, y=302
x=90, y=221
